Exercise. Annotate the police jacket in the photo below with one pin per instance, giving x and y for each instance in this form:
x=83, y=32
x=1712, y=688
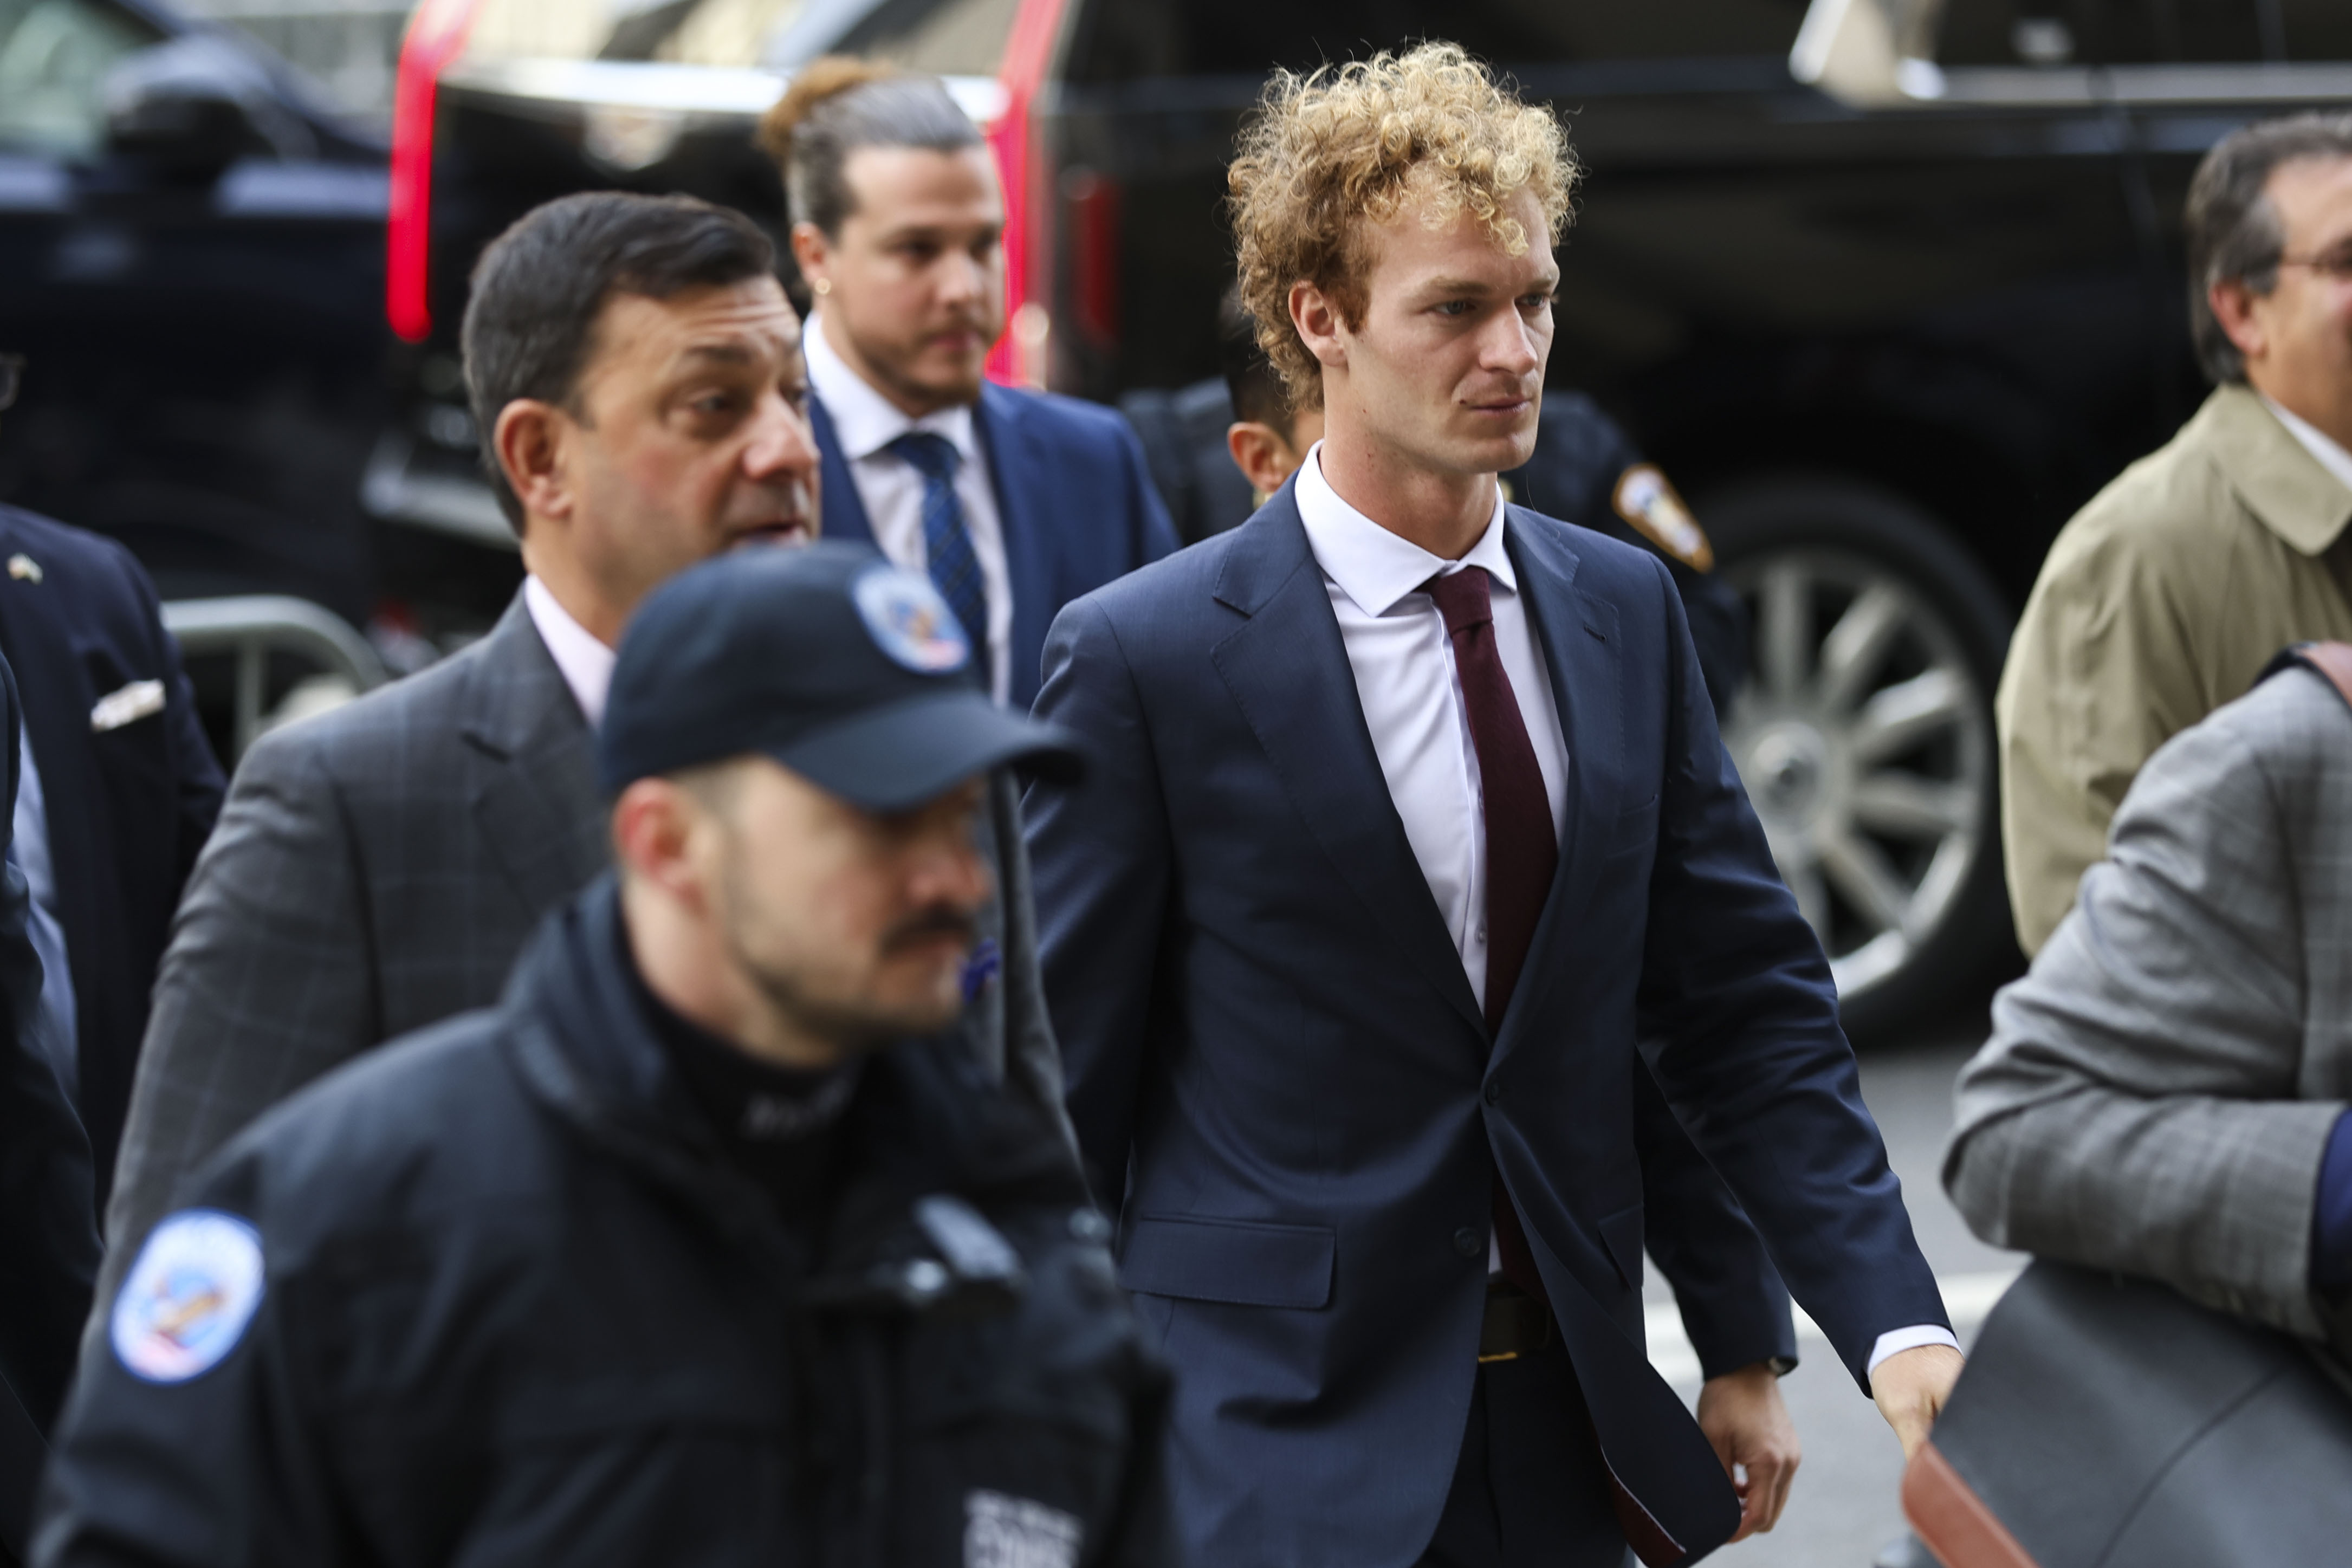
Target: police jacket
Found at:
x=1587, y=471
x=493, y=1294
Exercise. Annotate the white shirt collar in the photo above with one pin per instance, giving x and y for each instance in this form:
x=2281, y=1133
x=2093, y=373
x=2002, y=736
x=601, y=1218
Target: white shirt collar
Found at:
x=1373, y=566
x=585, y=664
x=866, y=421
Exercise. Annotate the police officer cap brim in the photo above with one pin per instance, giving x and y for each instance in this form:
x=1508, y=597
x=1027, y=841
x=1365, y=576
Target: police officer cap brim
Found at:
x=899, y=758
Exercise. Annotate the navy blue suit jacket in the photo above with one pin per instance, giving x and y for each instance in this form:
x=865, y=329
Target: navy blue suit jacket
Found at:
x=1075, y=499
x=1267, y=1031
x=128, y=807
x=48, y=1227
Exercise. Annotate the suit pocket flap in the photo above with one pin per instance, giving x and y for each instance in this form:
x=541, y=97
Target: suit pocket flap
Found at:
x=1247, y=1263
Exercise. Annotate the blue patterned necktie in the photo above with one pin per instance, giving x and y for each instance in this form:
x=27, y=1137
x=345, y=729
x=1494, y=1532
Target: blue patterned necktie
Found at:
x=946, y=543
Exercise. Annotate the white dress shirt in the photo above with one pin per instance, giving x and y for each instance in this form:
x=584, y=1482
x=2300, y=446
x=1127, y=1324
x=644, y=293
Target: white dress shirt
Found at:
x=1403, y=665
x=1402, y=662
x=585, y=664
x=866, y=422
x=2317, y=442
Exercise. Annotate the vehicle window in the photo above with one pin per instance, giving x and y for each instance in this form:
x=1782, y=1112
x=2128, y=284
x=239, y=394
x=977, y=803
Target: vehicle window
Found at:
x=687, y=32
x=1127, y=39
x=2142, y=32
x=53, y=54
x=951, y=37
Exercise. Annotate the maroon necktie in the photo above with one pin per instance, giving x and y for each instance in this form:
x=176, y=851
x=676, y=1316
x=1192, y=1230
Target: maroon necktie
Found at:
x=1522, y=851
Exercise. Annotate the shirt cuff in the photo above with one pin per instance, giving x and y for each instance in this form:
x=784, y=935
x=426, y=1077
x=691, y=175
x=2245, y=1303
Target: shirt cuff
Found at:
x=1894, y=1342
x=2331, y=1217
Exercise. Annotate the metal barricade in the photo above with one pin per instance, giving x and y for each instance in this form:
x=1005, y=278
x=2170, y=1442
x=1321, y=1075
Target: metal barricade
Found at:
x=252, y=627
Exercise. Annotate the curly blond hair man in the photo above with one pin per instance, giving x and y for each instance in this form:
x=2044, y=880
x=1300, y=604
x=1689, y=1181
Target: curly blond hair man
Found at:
x=1408, y=863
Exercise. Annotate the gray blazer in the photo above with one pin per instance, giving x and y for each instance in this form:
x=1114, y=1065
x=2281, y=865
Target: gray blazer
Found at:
x=379, y=867
x=2159, y=1091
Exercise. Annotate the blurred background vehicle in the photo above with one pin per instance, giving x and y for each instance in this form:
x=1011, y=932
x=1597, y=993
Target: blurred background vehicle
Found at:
x=1889, y=287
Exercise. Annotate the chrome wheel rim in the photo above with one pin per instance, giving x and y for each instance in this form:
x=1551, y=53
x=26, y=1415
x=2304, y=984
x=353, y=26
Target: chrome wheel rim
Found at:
x=1863, y=742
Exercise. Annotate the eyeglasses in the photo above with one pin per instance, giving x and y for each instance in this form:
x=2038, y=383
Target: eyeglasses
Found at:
x=11, y=376
x=2335, y=264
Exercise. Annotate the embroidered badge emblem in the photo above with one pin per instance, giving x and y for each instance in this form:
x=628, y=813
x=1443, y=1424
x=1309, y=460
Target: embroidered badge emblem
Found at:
x=189, y=1297
x=1004, y=1531
x=1646, y=500
x=908, y=620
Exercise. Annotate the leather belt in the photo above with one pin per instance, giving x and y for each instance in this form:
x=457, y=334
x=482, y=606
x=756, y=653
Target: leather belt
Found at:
x=1516, y=1324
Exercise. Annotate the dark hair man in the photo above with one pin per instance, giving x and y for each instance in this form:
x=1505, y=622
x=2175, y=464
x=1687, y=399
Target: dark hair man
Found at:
x=1016, y=502
x=2170, y=590
x=637, y=373
x=48, y=1234
x=712, y=1243
x=1407, y=841
x=118, y=791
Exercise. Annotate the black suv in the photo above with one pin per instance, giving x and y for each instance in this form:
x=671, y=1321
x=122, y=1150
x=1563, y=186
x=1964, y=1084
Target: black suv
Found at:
x=1890, y=287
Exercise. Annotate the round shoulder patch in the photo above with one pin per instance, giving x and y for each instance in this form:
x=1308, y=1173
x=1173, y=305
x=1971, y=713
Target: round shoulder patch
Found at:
x=908, y=620
x=189, y=1296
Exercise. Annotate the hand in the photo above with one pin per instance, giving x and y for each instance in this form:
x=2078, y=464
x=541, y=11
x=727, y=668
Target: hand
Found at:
x=1744, y=1416
x=1910, y=1387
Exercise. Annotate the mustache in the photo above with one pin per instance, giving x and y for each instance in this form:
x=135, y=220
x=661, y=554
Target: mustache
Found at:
x=938, y=919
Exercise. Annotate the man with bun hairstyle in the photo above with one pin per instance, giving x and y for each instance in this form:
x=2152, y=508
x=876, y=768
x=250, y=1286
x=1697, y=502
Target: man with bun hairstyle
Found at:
x=1407, y=846
x=1015, y=502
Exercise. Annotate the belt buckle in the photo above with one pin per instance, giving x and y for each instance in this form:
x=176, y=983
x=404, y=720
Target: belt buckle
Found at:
x=1516, y=1324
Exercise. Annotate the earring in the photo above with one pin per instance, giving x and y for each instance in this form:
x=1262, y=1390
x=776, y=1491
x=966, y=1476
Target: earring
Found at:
x=822, y=286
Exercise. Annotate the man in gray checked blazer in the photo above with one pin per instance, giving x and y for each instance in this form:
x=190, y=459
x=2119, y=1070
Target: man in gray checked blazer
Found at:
x=636, y=373
x=2164, y=1094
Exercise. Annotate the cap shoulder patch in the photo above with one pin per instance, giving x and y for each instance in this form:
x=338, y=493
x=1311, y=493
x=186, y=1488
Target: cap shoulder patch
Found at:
x=189, y=1296
x=1645, y=500
x=909, y=621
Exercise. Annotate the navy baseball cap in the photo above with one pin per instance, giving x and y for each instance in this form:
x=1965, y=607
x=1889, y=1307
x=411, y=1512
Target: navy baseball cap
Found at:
x=850, y=671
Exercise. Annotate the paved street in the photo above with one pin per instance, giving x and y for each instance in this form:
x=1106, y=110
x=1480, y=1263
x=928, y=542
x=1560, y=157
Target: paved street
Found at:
x=1843, y=1508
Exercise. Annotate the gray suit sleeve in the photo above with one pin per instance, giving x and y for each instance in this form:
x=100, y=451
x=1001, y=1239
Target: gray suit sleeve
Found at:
x=2139, y=1105
x=267, y=982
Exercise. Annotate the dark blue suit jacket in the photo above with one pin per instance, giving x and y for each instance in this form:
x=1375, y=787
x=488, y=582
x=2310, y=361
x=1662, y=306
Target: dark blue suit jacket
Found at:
x=128, y=807
x=48, y=1228
x=1076, y=503
x=1268, y=1030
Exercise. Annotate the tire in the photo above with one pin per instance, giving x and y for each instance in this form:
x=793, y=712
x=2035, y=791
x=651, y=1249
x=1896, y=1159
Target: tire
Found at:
x=1865, y=735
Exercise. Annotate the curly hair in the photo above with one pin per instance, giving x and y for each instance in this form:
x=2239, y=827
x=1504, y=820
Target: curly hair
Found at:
x=1329, y=154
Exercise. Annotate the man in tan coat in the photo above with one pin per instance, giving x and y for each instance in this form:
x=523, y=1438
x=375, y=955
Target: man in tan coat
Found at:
x=2170, y=592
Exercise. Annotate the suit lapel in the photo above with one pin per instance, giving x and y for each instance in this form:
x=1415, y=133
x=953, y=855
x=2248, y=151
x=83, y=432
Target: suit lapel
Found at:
x=536, y=803
x=1017, y=475
x=1287, y=670
x=1580, y=646
x=842, y=510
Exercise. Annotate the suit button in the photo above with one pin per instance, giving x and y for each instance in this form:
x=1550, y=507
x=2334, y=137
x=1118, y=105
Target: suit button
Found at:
x=1494, y=1091
x=1468, y=1242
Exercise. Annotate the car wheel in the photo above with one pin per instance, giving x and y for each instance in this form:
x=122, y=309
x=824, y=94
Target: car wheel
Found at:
x=1865, y=735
